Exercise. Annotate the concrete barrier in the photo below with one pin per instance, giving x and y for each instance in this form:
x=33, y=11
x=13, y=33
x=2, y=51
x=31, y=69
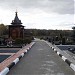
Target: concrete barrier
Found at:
x=7, y=69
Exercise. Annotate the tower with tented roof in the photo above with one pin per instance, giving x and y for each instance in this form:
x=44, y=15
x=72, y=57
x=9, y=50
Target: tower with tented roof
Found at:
x=16, y=29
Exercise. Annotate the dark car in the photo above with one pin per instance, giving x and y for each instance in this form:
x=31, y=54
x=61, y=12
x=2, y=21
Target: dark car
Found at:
x=71, y=50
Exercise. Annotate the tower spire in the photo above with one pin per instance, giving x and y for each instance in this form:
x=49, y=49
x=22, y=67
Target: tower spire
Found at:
x=16, y=12
x=16, y=19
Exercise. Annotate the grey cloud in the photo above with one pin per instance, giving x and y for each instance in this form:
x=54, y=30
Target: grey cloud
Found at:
x=56, y=6
x=59, y=6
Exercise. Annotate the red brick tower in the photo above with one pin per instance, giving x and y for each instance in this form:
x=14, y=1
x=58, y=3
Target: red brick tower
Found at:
x=16, y=29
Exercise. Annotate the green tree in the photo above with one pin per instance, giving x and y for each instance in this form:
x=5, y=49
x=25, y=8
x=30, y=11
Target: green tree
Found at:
x=63, y=40
x=73, y=34
x=3, y=29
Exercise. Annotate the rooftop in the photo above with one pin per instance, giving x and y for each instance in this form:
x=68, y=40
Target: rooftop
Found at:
x=16, y=20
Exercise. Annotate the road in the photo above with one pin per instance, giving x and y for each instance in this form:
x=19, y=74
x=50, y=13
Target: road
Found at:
x=41, y=60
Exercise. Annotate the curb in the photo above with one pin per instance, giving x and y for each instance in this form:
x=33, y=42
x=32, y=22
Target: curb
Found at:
x=7, y=69
x=63, y=57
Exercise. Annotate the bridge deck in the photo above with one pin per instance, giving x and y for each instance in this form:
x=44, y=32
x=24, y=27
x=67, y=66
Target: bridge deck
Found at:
x=41, y=60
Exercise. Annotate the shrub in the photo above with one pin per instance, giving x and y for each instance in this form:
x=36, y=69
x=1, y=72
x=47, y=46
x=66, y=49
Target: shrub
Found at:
x=19, y=41
x=23, y=41
x=69, y=42
x=63, y=41
x=41, y=38
x=26, y=40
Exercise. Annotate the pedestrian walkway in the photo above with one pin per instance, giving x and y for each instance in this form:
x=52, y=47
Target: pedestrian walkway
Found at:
x=41, y=60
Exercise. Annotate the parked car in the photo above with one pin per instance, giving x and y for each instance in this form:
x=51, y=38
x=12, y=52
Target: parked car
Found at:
x=71, y=50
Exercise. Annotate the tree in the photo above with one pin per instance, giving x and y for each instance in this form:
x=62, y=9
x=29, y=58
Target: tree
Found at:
x=3, y=29
x=73, y=34
x=63, y=40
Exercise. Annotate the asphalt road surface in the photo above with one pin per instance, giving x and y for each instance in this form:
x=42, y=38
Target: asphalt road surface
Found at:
x=8, y=51
x=3, y=57
x=64, y=48
x=41, y=60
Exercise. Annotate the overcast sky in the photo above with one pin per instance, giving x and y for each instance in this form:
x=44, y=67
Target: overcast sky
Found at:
x=40, y=14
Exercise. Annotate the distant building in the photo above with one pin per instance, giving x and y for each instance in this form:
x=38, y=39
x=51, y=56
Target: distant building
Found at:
x=16, y=29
